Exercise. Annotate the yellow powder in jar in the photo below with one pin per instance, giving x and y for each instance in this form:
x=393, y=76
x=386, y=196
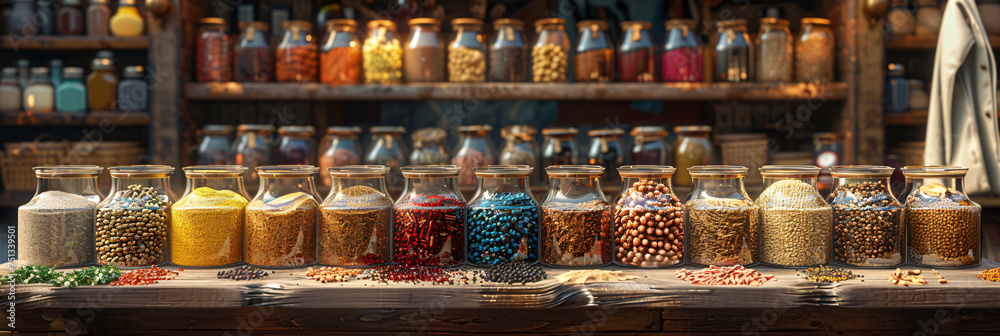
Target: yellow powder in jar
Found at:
x=207, y=228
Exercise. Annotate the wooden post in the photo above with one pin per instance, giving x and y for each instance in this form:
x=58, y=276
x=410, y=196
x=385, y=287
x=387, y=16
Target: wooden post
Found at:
x=863, y=121
x=164, y=133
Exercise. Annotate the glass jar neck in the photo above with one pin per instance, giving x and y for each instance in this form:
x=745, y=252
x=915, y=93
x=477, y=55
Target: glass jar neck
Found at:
x=768, y=181
x=693, y=134
x=83, y=186
x=341, y=183
x=955, y=183
x=731, y=188
x=161, y=184
x=273, y=187
x=629, y=182
x=234, y=184
x=492, y=185
x=578, y=189
x=445, y=186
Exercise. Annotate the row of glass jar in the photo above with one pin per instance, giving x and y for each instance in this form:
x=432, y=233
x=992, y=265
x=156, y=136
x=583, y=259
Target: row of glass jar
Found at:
x=142, y=223
x=29, y=18
x=66, y=90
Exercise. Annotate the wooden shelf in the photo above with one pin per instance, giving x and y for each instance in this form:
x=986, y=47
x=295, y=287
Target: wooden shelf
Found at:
x=75, y=43
x=913, y=118
x=923, y=42
x=94, y=118
x=517, y=91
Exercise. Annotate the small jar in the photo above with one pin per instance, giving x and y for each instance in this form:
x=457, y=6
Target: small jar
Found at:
x=295, y=145
x=281, y=219
x=919, y=101
x=430, y=147
x=133, y=95
x=10, y=91
x=252, y=149
x=722, y=221
x=475, y=149
x=503, y=217
x=423, y=57
x=429, y=218
x=254, y=57
x=386, y=149
x=681, y=60
x=900, y=20
x=69, y=19
x=650, y=146
x=519, y=146
x=56, y=227
x=382, y=54
x=774, y=51
x=943, y=226
x=550, y=54
x=595, y=53
x=508, y=52
x=98, y=18
x=814, y=51
x=795, y=222
x=213, y=150
x=559, y=147
x=340, y=54
x=296, y=54
x=140, y=199
x=576, y=218
x=208, y=221
x=215, y=57
x=341, y=147
x=692, y=148
x=39, y=95
x=71, y=94
x=928, y=18
x=45, y=16
x=355, y=228
x=733, y=53
x=606, y=150
x=868, y=220
x=897, y=89
x=127, y=22
x=637, y=53
x=467, y=52
x=649, y=219
x=23, y=21
x=102, y=85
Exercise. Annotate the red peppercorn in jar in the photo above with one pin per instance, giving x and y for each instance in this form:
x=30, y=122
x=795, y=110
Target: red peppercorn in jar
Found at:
x=214, y=57
x=429, y=224
x=297, y=53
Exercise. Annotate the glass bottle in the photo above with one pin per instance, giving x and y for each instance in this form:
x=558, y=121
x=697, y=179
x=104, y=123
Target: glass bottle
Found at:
x=576, y=218
x=550, y=53
x=295, y=145
x=733, y=52
x=387, y=149
x=69, y=19
x=814, y=51
x=722, y=221
x=650, y=146
x=943, y=226
x=71, y=94
x=796, y=223
x=356, y=223
x=98, y=18
x=606, y=150
x=382, y=55
x=637, y=53
x=692, y=148
x=45, y=16
x=127, y=22
x=252, y=149
x=503, y=217
x=340, y=147
x=559, y=147
x=215, y=57
x=423, y=57
x=208, y=221
x=430, y=147
x=56, y=227
x=10, y=91
x=23, y=22
x=519, y=146
x=467, y=52
x=774, y=51
x=254, y=57
x=649, y=218
x=102, y=85
x=281, y=219
x=140, y=199
x=296, y=56
x=214, y=147
x=340, y=53
x=429, y=218
x=595, y=53
x=39, y=95
x=475, y=149
x=868, y=220
x=508, y=52
x=132, y=92
x=681, y=60
x=897, y=89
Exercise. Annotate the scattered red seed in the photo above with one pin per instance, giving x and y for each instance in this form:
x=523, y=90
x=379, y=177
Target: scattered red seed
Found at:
x=732, y=275
x=144, y=276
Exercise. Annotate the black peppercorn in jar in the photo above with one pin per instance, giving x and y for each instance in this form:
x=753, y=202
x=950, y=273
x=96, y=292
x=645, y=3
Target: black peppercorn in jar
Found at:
x=132, y=223
x=722, y=221
x=867, y=220
x=649, y=219
x=943, y=226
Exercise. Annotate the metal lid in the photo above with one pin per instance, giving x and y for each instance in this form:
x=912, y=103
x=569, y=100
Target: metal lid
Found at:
x=717, y=171
x=215, y=171
x=466, y=21
x=67, y=171
x=632, y=24
x=343, y=130
x=817, y=21
x=675, y=23
x=257, y=25
x=102, y=63
x=375, y=24
x=211, y=21
x=256, y=128
x=39, y=71
x=649, y=131
x=606, y=132
x=429, y=135
x=134, y=71
x=141, y=171
x=587, y=171
x=305, y=26
x=825, y=136
x=217, y=129
x=692, y=129
x=934, y=171
x=358, y=171
x=299, y=130
x=861, y=171
x=387, y=129
x=790, y=171
x=504, y=171
x=646, y=171
x=500, y=23
x=431, y=171
x=773, y=21
x=601, y=24
x=550, y=21
x=340, y=22
x=293, y=171
x=560, y=131
x=424, y=21
x=73, y=72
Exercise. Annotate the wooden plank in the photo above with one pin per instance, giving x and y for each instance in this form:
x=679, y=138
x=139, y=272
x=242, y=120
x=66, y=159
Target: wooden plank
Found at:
x=923, y=42
x=93, y=118
x=164, y=80
x=913, y=118
x=823, y=319
x=75, y=43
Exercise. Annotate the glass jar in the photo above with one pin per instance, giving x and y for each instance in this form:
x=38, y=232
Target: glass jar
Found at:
x=45, y=16
x=423, y=57
x=10, y=91
x=39, y=95
x=296, y=55
x=637, y=53
x=503, y=217
x=919, y=100
x=467, y=52
x=508, y=52
x=475, y=149
x=208, y=221
x=868, y=220
x=826, y=151
x=814, y=51
x=774, y=51
x=795, y=222
x=897, y=89
x=252, y=149
x=254, y=57
x=214, y=147
x=900, y=20
x=341, y=147
x=134, y=221
x=55, y=72
x=722, y=221
x=429, y=224
x=606, y=150
x=127, y=22
x=519, y=146
x=340, y=54
x=943, y=226
x=295, y=146
x=387, y=149
x=559, y=148
x=281, y=219
x=69, y=19
x=132, y=92
x=681, y=60
x=22, y=20
x=71, y=94
x=429, y=147
x=355, y=228
x=102, y=85
x=649, y=218
x=382, y=55
x=550, y=54
x=928, y=18
x=650, y=146
x=576, y=218
x=215, y=57
x=56, y=227
x=595, y=53
x=98, y=18
x=733, y=53
x=692, y=148
x=23, y=72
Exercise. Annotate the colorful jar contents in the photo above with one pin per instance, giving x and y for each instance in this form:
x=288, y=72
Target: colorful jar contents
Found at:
x=795, y=227
x=503, y=218
x=102, y=84
x=467, y=53
x=144, y=276
x=98, y=17
x=637, y=53
x=281, y=231
x=355, y=228
x=722, y=222
x=133, y=94
x=775, y=51
x=132, y=227
x=943, y=226
x=732, y=275
x=733, y=52
x=71, y=94
x=207, y=228
x=474, y=150
x=382, y=54
x=342, y=148
x=296, y=55
x=681, y=60
x=550, y=54
x=56, y=229
x=340, y=54
x=423, y=57
x=576, y=234
x=430, y=228
x=814, y=51
x=127, y=22
x=214, y=59
x=692, y=148
x=508, y=54
x=868, y=220
x=649, y=219
x=595, y=54
x=254, y=57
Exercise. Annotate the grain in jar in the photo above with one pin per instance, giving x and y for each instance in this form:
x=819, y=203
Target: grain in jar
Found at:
x=814, y=51
x=868, y=220
x=692, y=148
x=214, y=60
x=134, y=220
x=282, y=218
x=296, y=54
x=943, y=225
x=340, y=53
x=56, y=227
x=648, y=218
x=208, y=221
x=508, y=52
x=576, y=218
x=795, y=222
x=595, y=53
x=467, y=52
x=774, y=51
x=423, y=56
x=722, y=222
x=356, y=223
x=382, y=54
x=550, y=53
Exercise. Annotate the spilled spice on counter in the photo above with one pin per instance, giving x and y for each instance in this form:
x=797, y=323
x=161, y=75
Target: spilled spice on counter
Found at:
x=991, y=275
x=511, y=273
x=731, y=275
x=596, y=275
x=144, y=276
x=242, y=273
x=332, y=274
x=827, y=274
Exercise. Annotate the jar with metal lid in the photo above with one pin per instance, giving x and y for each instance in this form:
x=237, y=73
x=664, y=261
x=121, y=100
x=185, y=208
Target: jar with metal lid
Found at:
x=467, y=52
x=774, y=51
x=576, y=218
x=39, y=95
x=649, y=218
x=340, y=147
x=681, y=60
x=356, y=223
x=814, y=51
x=71, y=94
x=295, y=146
x=508, y=52
x=430, y=147
x=127, y=22
x=519, y=146
x=340, y=54
x=98, y=17
x=133, y=94
x=254, y=56
x=10, y=91
x=595, y=53
x=134, y=220
x=929, y=15
x=382, y=54
x=214, y=56
x=69, y=19
x=252, y=149
x=296, y=55
x=722, y=222
x=897, y=89
x=943, y=226
x=102, y=84
x=208, y=221
x=796, y=223
x=429, y=218
x=387, y=149
x=214, y=146
x=868, y=220
x=550, y=53
x=637, y=53
x=475, y=149
x=692, y=148
x=919, y=101
x=650, y=146
x=606, y=150
x=559, y=147
x=899, y=19
x=23, y=19
x=734, y=52
x=56, y=227
x=423, y=56
x=281, y=219
x=503, y=217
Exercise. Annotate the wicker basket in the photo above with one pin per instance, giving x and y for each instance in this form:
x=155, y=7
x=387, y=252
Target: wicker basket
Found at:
x=748, y=150
x=911, y=153
x=105, y=154
x=19, y=157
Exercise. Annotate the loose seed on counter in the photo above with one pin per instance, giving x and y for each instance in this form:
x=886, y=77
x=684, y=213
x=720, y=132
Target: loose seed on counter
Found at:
x=242, y=273
x=731, y=275
x=588, y=276
x=515, y=272
x=144, y=276
x=991, y=275
x=905, y=278
x=827, y=274
x=332, y=274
